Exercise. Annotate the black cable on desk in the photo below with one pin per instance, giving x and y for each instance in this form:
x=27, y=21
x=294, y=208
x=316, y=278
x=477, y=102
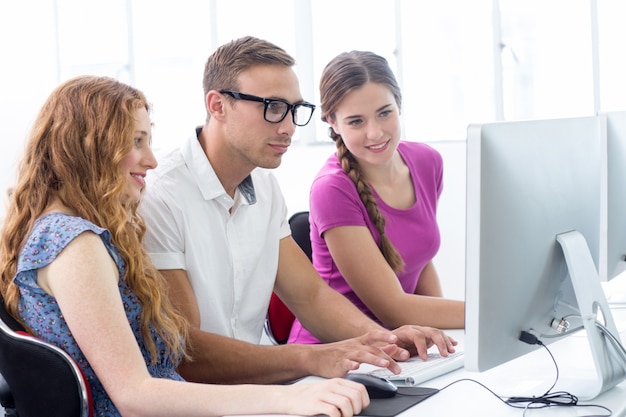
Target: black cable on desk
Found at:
x=548, y=399
x=535, y=402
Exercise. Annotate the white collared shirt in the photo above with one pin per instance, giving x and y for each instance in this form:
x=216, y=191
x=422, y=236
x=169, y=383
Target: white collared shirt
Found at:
x=229, y=247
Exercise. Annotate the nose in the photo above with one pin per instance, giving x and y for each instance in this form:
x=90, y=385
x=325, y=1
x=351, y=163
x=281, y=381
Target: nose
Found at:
x=374, y=130
x=287, y=127
x=149, y=160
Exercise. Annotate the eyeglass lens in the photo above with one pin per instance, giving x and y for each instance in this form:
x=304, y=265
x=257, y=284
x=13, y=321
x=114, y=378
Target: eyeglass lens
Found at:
x=275, y=111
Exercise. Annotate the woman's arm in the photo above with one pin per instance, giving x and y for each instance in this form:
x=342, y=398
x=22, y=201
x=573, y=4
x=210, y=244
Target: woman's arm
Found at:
x=84, y=279
x=363, y=266
x=428, y=283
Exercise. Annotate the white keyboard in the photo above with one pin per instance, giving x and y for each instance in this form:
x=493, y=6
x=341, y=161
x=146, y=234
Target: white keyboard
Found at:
x=415, y=370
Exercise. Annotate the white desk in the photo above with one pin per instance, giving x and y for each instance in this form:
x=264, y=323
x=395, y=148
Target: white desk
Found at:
x=532, y=374
x=529, y=375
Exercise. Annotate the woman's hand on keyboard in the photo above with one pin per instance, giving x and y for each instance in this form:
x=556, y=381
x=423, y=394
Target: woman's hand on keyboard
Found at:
x=376, y=347
x=417, y=340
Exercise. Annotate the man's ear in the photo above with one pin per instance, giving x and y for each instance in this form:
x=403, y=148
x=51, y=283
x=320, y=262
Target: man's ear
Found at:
x=215, y=104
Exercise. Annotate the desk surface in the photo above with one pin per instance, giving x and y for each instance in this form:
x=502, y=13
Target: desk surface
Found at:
x=529, y=375
x=532, y=374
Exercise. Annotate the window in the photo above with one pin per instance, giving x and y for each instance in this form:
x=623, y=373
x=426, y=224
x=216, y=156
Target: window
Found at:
x=612, y=71
x=447, y=67
x=458, y=62
x=92, y=38
x=546, y=59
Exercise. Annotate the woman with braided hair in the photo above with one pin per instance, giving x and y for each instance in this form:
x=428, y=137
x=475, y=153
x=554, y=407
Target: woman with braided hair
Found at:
x=373, y=204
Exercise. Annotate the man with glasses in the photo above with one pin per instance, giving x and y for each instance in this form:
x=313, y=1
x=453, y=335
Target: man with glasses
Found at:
x=217, y=230
x=275, y=110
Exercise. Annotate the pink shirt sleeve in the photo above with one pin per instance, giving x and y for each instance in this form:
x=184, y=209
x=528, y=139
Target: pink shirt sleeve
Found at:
x=334, y=202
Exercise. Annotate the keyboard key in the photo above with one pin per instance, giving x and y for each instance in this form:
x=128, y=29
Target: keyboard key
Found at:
x=416, y=371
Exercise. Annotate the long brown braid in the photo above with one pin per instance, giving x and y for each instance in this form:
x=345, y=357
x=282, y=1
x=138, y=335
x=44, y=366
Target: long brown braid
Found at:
x=345, y=73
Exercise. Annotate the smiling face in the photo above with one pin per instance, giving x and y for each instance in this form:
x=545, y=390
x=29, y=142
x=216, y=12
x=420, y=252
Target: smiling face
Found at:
x=140, y=159
x=368, y=120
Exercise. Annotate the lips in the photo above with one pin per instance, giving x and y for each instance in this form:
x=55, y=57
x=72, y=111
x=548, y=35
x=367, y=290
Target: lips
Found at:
x=140, y=178
x=378, y=147
x=280, y=147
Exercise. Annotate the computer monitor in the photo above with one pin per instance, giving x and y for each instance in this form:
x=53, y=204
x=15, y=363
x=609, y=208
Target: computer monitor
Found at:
x=613, y=225
x=532, y=237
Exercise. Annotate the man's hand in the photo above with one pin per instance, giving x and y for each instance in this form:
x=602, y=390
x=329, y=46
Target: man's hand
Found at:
x=417, y=340
x=377, y=347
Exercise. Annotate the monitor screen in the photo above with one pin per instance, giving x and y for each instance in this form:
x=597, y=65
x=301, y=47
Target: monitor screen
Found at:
x=613, y=242
x=533, y=210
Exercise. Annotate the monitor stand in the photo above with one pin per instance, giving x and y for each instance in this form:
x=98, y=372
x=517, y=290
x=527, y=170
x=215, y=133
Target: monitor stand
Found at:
x=610, y=363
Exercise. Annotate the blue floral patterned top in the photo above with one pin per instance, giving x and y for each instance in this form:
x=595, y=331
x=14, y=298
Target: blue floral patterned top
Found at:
x=51, y=234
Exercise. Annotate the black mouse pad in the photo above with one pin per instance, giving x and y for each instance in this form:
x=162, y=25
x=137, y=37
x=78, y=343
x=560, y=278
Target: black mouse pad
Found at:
x=405, y=398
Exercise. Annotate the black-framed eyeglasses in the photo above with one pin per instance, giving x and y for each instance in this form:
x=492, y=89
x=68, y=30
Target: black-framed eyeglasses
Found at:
x=275, y=109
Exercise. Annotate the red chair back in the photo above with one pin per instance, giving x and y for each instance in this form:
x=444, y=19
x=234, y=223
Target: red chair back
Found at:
x=279, y=317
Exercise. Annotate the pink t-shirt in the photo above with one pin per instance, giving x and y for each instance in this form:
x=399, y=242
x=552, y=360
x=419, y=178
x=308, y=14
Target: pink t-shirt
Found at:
x=334, y=202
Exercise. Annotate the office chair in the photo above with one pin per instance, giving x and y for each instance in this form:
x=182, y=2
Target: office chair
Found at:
x=40, y=379
x=301, y=231
x=279, y=318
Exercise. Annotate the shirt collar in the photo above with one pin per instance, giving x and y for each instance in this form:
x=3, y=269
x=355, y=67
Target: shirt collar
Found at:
x=205, y=177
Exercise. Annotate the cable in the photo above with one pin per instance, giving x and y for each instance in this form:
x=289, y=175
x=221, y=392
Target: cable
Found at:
x=530, y=406
x=549, y=398
x=562, y=327
x=615, y=342
x=557, y=335
x=617, y=345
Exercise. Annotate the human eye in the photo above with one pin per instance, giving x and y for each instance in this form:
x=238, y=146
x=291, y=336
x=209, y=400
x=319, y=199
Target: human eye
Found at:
x=141, y=141
x=385, y=113
x=355, y=122
x=276, y=107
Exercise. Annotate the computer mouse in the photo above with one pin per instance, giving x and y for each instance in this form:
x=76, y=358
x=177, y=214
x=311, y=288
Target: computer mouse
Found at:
x=376, y=387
